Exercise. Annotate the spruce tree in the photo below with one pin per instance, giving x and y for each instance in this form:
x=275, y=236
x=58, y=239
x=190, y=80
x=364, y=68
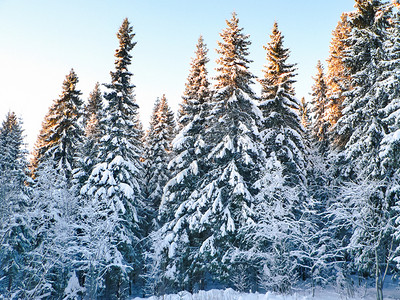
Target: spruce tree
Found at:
x=197, y=87
x=188, y=165
x=363, y=129
x=115, y=184
x=211, y=218
x=304, y=112
x=15, y=234
x=158, y=151
x=338, y=75
x=282, y=184
x=61, y=130
x=319, y=104
x=281, y=129
x=88, y=149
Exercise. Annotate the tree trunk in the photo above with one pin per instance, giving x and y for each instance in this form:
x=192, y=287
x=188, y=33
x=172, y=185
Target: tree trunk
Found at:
x=378, y=279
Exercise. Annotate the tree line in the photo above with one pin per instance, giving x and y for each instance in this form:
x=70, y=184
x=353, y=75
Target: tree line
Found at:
x=254, y=192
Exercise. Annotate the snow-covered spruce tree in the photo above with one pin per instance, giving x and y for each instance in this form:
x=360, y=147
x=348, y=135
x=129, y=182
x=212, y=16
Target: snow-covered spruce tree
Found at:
x=52, y=219
x=211, y=218
x=114, y=187
x=158, y=150
x=88, y=149
x=93, y=108
x=338, y=74
x=282, y=185
x=389, y=150
x=84, y=277
x=363, y=127
x=61, y=130
x=236, y=157
x=182, y=268
x=15, y=236
x=304, y=112
x=53, y=206
x=197, y=87
x=281, y=129
x=319, y=102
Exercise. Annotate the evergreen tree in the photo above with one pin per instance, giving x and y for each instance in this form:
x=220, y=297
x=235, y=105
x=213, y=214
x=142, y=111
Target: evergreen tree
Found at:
x=197, y=87
x=15, y=236
x=338, y=75
x=93, y=108
x=389, y=149
x=363, y=129
x=282, y=184
x=61, y=131
x=52, y=219
x=158, y=151
x=319, y=110
x=281, y=129
x=88, y=149
x=304, y=114
x=206, y=228
x=114, y=186
x=187, y=167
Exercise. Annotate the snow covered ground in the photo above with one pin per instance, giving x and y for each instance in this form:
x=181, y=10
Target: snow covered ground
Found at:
x=393, y=292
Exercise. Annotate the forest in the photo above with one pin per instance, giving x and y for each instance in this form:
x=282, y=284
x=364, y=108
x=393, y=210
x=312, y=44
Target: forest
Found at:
x=244, y=189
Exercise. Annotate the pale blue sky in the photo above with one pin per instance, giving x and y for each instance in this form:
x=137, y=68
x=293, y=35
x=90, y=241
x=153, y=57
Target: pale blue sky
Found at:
x=41, y=40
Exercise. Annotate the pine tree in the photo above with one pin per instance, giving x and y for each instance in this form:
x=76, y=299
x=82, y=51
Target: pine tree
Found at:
x=15, y=235
x=319, y=110
x=158, y=151
x=61, y=130
x=389, y=149
x=115, y=183
x=187, y=167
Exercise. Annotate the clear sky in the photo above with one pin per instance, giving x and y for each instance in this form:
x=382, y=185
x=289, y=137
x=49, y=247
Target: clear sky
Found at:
x=41, y=40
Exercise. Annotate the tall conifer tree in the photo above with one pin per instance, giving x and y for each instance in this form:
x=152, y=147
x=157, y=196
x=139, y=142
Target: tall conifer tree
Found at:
x=319, y=108
x=116, y=181
x=338, y=75
x=187, y=168
x=281, y=129
x=158, y=151
x=15, y=234
x=61, y=130
x=209, y=219
x=282, y=184
x=363, y=129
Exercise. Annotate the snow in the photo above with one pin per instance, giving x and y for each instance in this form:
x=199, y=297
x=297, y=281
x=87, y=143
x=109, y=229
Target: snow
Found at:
x=73, y=288
x=321, y=294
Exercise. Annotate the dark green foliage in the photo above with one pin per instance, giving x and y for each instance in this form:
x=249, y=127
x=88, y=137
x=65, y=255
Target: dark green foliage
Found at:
x=158, y=152
x=319, y=104
x=15, y=234
x=281, y=130
x=61, y=131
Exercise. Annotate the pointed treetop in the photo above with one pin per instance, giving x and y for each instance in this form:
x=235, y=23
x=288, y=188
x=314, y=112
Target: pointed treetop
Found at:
x=9, y=123
x=197, y=90
x=233, y=69
x=126, y=44
x=366, y=12
x=278, y=73
x=95, y=102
